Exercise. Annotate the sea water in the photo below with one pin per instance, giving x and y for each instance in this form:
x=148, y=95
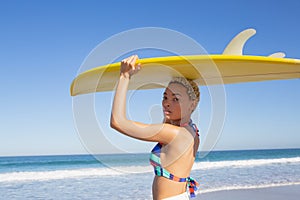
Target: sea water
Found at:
x=129, y=176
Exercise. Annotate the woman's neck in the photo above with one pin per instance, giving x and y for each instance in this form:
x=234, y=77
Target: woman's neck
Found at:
x=181, y=122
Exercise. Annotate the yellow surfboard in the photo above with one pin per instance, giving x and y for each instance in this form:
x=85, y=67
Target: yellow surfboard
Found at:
x=227, y=68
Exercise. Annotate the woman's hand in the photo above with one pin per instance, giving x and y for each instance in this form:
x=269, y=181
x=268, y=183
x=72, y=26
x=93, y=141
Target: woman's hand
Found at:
x=129, y=66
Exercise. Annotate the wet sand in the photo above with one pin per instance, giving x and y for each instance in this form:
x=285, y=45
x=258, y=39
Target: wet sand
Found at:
x=291, y=192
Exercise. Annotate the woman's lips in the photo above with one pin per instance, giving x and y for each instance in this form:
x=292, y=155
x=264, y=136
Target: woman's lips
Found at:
x=167, y=112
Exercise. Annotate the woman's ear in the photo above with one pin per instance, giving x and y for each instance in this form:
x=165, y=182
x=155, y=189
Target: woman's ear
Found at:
x=193, y=105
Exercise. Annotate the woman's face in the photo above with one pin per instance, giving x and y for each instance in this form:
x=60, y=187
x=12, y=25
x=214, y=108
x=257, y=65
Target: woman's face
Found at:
x=176, y=102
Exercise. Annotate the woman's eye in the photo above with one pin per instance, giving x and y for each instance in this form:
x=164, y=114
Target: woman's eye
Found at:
x=164, y=98
x=175, y=99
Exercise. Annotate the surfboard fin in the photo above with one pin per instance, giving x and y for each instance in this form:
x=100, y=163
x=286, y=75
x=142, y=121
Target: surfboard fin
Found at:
x=277, y=55
x=236, y=45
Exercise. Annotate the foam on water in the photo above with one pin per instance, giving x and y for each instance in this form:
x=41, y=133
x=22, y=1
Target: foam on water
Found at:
x=123, y=170
x=56, y=174
x=243, y=163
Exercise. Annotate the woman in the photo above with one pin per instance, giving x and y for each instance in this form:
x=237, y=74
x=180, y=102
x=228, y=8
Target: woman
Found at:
x=178, y=141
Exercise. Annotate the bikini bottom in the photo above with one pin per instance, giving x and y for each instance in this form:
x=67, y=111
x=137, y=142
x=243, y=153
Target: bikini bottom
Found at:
x=183, y=196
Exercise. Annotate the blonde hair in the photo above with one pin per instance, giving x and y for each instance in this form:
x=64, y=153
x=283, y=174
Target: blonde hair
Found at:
x=192, y=88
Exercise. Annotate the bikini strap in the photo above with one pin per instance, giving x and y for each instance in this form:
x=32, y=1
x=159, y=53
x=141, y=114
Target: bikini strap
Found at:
x=191, y=182
x=191, y=124
x=192, y=185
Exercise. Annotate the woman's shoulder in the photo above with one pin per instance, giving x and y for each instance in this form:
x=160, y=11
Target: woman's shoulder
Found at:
x=182, y=138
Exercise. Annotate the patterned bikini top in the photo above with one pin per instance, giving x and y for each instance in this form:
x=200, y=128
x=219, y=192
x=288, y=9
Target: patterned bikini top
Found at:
x=192, y=184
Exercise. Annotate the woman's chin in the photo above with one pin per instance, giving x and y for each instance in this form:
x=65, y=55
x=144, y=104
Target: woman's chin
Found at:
x=168, y=118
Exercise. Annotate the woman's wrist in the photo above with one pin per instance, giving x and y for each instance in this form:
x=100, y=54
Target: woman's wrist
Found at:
x=125, y=75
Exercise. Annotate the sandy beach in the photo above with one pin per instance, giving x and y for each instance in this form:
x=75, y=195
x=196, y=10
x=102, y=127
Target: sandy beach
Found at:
x=291, y=192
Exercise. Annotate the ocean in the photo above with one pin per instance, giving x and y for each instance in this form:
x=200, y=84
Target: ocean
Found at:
x=129, y=176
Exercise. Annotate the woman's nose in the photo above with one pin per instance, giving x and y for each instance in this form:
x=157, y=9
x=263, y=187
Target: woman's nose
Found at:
x=166, y=103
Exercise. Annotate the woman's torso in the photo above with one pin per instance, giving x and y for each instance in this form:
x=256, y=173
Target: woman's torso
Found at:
x=178, y=158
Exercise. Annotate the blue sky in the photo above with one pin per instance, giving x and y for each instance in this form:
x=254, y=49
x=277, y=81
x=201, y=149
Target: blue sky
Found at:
x=43, y=44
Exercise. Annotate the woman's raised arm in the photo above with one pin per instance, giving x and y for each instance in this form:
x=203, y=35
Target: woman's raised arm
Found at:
x=148, y=132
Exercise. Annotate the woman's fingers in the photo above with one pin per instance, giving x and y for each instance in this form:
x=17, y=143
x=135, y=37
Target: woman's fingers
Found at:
x=128, y=65
x=136, y=69
x=130, y=61
x=133, y=61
